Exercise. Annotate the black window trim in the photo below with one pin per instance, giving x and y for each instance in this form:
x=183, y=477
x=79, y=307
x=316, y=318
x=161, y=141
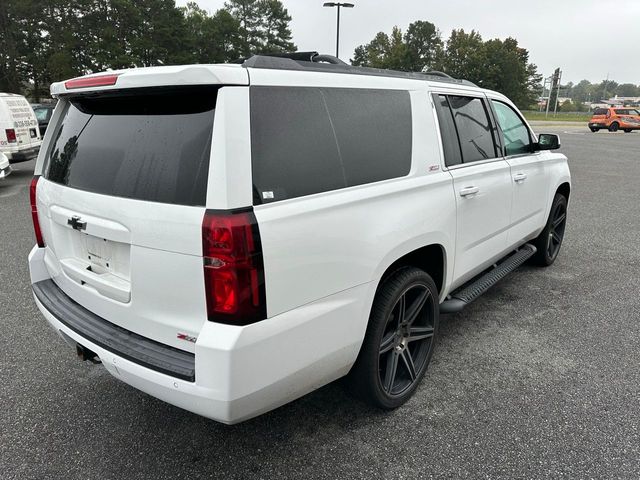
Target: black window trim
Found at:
x=494, y=114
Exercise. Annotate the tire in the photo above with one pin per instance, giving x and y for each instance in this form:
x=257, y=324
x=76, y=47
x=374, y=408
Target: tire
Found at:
x=614, y=127
x=390, y=364
x=627, y=130
x=550, y=240
x=594, y=130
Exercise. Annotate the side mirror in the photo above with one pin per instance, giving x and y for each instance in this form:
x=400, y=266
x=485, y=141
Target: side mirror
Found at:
x=547, y=141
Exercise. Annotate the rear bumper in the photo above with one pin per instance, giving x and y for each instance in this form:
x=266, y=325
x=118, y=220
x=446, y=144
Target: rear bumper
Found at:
x=22, y=155
x=241, y=372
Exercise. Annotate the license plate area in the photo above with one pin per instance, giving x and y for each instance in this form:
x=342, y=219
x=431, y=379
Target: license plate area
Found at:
x=90, y=252
x=102, y=255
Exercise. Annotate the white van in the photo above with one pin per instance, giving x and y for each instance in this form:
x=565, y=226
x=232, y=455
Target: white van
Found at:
x=5, y=168
x=228, y=238
x=19, y=133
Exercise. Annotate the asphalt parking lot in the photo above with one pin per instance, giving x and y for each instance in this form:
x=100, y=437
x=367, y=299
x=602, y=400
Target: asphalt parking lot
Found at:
x=539, y=378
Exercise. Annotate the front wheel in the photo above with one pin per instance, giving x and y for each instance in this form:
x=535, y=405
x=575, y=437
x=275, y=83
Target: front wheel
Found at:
x=627, y=130
x=594, y=130
x=550, y=240
x=399, y=340
x=614, y=127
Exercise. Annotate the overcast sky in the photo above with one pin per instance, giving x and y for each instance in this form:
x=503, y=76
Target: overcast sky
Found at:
x=585, y=38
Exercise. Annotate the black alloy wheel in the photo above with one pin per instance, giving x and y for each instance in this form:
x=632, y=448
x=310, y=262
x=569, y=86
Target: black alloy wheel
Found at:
x=556, y=233
x=407, y=340
x=550, y=240
x=614, y=127
x=399, y=341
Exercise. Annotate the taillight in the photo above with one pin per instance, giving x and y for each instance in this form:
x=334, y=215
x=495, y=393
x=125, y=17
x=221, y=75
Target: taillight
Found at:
x=233, y=267
x=34, y=211
x=11, y=135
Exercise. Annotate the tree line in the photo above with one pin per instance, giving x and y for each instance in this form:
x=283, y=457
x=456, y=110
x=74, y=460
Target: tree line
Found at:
x=495, y=64
x=46, y=41
x=43, y=41
x=587, y=92
x=500, y=65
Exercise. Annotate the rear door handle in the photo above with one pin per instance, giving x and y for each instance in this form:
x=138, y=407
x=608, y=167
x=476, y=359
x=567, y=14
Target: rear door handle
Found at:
x=466, y=191
x=519, y=177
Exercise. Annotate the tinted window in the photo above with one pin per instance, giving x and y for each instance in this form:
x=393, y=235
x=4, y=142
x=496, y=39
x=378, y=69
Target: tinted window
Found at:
x=514, y=131
x=450, y=145
x=312, y=140
x=626, y=111
x=600, y=111
x=474, y=129
x=147, y=145
x=373, y=130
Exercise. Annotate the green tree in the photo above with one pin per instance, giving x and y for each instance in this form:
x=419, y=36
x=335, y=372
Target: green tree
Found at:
x=628, y=90
x=10, y=37
x=264, y=26
x=211, y=39
x=274, y=27
x=424, y=46
x=465, y=56
x=419, y=48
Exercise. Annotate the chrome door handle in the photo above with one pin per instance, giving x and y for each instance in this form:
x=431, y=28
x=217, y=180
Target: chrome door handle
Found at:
x=466, y=191
x=519, y=177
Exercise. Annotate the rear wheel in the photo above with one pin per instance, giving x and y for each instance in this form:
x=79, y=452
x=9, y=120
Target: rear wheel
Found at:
x=399, y=341
x=550, y=240
x=594, y=130
x=614, y=127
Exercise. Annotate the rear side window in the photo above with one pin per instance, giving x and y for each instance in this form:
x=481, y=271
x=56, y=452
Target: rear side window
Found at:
x=151, y=145
x=474, y=129
x=312, y=140
x=600, y=111
x=450, y=145
x=626, y=111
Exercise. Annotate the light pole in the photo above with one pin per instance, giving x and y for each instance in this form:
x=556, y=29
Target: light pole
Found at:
x=338, y=4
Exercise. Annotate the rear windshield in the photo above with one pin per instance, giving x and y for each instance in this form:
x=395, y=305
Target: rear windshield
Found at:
x=151, y=145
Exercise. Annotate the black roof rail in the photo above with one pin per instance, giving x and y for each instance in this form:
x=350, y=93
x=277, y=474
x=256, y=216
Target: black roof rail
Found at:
x=436, y=73
x=315, y=62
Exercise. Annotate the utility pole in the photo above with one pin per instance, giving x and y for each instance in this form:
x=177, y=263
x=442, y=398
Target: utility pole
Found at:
x=604, y=93
x=555, y=108
x=338, y=4
x=554, y=82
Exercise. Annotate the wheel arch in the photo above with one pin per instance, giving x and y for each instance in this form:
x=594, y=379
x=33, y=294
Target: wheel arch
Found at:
x=564, y=189
x=431, y=258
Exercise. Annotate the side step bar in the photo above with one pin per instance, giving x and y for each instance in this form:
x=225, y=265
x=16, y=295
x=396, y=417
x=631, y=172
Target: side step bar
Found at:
x=470, y=291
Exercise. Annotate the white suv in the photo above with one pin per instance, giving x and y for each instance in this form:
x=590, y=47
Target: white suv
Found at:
x=228, y=238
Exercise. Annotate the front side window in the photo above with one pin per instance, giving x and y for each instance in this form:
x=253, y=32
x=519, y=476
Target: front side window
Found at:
x=516, y=134
x=474, y=129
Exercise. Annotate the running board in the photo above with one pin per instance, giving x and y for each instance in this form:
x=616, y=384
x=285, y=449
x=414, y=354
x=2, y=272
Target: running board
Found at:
x=469, y=292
